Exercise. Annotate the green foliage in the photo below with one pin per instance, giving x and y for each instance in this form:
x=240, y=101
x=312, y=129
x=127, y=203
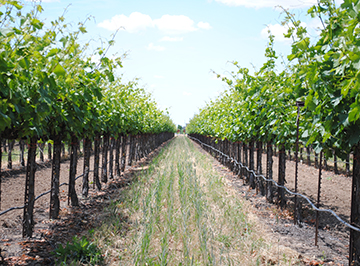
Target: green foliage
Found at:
x=80, y=250
x=50, y=84
x=254, y=108
x=324, y=73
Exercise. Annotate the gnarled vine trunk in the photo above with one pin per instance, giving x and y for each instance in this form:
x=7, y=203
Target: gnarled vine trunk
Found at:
x=131, y=147
x=111, y=158
x=117, y=156
x=55, y=180
x=251, y=166
x=239, y=157
x=11, y=146
x=22, y=151
x=29, y=199
x=49, y=151
x=72, y=173
x=269, y=172
x=336, y=169
x=104, y=176
x=245, y=173
x=123, y=153
x=86, y=169
x=281, y=181
x=354, y=258
x=259, y=167
x=96, y=181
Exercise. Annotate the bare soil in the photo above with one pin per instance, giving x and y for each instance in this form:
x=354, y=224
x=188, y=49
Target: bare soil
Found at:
x=333, y=239
x=333, y=236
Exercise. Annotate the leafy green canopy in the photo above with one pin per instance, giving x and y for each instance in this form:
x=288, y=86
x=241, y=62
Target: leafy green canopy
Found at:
x=324, y=73
x=50, y=86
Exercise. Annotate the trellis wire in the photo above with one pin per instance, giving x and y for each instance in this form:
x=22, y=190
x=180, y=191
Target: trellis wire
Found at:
x=276, y=184
x=47, y=192
x=341, y=161
x=39, y=196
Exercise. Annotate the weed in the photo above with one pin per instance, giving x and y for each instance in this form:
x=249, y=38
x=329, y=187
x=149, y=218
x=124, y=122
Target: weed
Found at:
x=80, y=250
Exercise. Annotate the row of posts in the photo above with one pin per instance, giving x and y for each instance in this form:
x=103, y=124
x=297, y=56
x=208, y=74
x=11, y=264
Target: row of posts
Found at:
x=244, y=153
x=128, y=149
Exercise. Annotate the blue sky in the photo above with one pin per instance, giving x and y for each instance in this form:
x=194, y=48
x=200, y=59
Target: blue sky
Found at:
x=172, y=45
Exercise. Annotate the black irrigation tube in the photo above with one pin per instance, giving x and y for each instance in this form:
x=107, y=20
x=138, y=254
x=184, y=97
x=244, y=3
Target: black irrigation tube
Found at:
x=276, y=184
x=42, y=194
x=46, y=192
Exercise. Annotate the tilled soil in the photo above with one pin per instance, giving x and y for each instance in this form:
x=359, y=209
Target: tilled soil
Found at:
x=48, y=233
x=332, y=241
x=333, y=236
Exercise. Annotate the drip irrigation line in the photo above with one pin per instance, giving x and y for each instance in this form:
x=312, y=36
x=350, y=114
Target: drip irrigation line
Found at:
x=39, y=196
x=280, y=186
x=46, y=192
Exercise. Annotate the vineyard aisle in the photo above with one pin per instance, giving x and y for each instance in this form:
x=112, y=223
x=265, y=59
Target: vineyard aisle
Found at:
x=180, y=211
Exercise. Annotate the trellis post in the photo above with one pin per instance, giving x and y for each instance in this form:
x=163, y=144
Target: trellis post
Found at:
x=298, y=104
x=55, y=179
x=354, y=256
x=72, y=174
x=29, y=199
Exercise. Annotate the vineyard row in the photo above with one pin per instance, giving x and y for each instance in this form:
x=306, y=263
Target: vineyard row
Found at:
x=239, y=157
x=116, y=154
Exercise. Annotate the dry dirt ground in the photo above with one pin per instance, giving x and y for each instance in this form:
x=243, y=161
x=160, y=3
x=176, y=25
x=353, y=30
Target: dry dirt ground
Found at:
x=333, y=237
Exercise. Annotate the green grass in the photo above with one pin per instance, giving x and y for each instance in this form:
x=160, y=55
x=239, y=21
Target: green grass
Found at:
x=180, y=211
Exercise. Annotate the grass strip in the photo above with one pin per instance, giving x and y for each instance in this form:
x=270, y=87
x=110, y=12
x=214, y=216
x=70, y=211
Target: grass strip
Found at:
x=180, y=211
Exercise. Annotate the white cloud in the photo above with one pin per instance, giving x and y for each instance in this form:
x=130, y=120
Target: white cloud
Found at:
x=171, y=39
x=175, y=24
x=168, y=24
x=133, y=23
x=278, y=31
x=159, y=77
x=185, y=93
x=204, y=25
x=151, y=46
x=269, y=3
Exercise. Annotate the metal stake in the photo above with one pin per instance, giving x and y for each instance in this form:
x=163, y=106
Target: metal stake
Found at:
x=298, y=104
x=318, y=200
